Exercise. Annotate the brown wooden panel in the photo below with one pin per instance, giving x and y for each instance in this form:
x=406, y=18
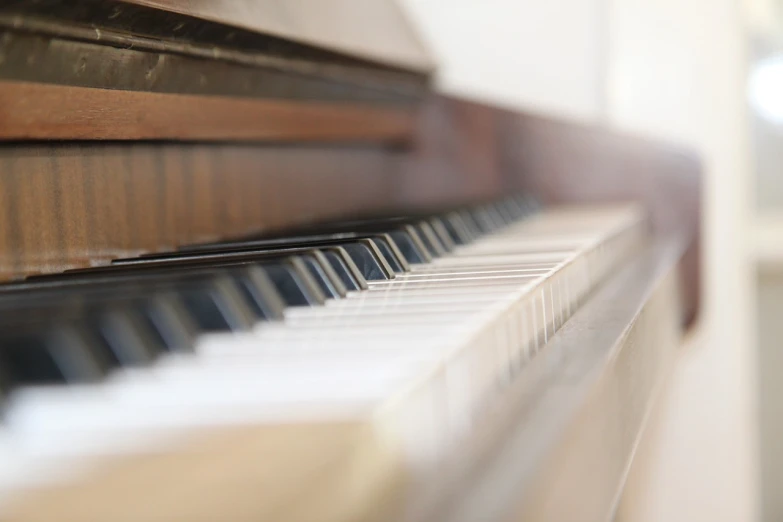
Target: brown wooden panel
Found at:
x=95, y=201
x=47, y=111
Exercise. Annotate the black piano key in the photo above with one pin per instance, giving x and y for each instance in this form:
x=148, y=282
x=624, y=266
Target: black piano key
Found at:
x=208, y=294
x=391, y=253
x=126, y=339
x=470, y=223
x=324, y=282
x=369, y=260
x=430, y=252
x=56, y=355
x=216, y=305
x=306, y=280
x=330, y=273
x=233, y=303
x=169, y=322
x=495, y=216
x=6, y=387
x=413, y=251
x=314, y=263
x=429, y=238
x=443, y=235
x=484, y=220
x=205, y=311
x=395, y=251
x=260, y=293
x=345, y=268
x=294, y=285
x=456, y=229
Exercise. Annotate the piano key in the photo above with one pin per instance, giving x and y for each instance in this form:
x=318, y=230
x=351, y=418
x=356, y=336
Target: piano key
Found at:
x=486, y=219
x=391, y=253
x=431, y=252
x=260, y=292
x=216, y=304
x=55, y=355
x=345, y=268
x=429, y=239
x=337, y=288
x=363, y=252
x=294, y=284
x=125, y=337
x=5, y=389
x=442, y=233
x=469, y=219
x=169, y=321
x=369, y=259
x=473, y=314
x=456, y=229
x=291, y=279
x=319, y=276
x=411, y=247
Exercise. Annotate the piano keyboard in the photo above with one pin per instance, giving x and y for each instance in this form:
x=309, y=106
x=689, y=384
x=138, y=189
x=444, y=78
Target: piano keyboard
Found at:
x=396, y=333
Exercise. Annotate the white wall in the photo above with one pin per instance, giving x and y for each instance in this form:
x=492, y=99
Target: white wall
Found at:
x=542, y=55
x=672, y=69
x=677, y=70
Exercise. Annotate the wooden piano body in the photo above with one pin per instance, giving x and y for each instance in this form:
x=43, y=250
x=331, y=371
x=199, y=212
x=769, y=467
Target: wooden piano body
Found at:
x=134, y=127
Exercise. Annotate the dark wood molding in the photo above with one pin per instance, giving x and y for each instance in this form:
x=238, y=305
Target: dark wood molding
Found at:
x=33, y=111
x=33, y=57
x=327, y=38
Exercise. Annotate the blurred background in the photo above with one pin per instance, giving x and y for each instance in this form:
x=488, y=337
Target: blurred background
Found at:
x=705, y=73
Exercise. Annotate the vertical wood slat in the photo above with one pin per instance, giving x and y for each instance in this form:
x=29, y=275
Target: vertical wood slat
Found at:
x=178, y=193
x=72, y=180
x=110, y=177
x=10, y=231
x=30, y=223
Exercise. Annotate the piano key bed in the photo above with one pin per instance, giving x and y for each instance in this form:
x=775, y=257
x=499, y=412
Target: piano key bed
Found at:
x=351, y=365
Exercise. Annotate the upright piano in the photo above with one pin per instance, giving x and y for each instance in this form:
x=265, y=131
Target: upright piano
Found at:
x=254, y=267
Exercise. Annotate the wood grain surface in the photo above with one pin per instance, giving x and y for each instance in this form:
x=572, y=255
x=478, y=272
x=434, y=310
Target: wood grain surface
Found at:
x=36, y=111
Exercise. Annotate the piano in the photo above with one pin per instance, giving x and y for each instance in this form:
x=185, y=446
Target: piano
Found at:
x=254, y=267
